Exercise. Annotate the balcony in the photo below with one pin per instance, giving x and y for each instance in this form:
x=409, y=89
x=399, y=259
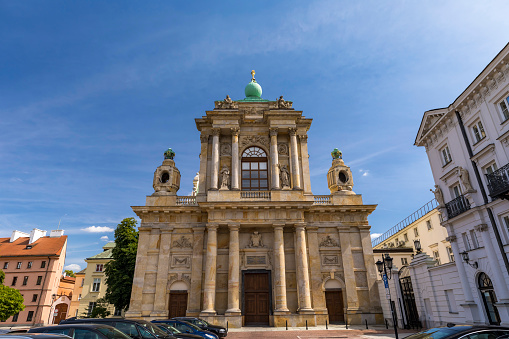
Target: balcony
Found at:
x=186, y=201
x=498, y=183
x=255, y=195
x=457, y=206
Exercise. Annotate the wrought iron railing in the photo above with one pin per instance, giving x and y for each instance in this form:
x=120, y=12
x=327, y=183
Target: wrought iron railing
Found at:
x=428, y=207
x=457, y=206
x=322, y=200
x=255, y=195
x=186, y=201
x=498, y=182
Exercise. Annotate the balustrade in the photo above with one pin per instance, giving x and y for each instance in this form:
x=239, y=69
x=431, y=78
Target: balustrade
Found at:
x=498, y=182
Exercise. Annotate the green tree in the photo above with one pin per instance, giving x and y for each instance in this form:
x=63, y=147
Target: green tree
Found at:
x=120, y=270
x=100, y=309
x=70, y=273
x=11, y=301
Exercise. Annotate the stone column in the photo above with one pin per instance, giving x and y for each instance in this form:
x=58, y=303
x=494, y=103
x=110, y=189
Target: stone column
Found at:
x=196, y=273
x=202, y=186
x=139, y=272
x=235, y=159
x=233, y=271
x=301, y=261
x=315, y=270
x=295, y=159
x=209, y=290
x=305, y=163
x=161, y=296
x=280, y=269
x=215, y=159
x=274, y=161
x=352, y=300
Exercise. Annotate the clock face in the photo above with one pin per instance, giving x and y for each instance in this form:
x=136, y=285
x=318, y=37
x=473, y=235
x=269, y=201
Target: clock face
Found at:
x=343, y=177
x=165, y=177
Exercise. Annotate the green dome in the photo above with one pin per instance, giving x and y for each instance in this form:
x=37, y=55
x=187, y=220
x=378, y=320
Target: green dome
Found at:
x=253, y=90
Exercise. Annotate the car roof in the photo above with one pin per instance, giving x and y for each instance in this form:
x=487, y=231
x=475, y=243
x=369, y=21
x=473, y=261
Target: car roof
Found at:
x=87, y=325
x=34, y=336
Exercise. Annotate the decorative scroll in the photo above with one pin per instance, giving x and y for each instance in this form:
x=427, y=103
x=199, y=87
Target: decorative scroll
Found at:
x=248, y=140
x=183, y=242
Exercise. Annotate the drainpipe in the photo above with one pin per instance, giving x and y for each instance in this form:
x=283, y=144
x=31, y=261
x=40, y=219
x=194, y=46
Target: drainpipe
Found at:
x=483, y=192
x=42, y=290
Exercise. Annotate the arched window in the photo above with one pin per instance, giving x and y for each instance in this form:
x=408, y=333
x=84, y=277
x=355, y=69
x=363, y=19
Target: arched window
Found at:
x=489, y=298
x=254, y=170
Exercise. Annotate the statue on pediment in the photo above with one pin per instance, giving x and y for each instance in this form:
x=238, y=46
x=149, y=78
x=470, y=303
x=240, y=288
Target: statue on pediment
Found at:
x=439, y=196
x=282, y=104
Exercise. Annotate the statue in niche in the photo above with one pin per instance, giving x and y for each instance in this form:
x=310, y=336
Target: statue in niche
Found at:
x=256, y=240
x=465, y=179
x=439, y=196
x=225, y=177
x=281, y=103
x=284, y=176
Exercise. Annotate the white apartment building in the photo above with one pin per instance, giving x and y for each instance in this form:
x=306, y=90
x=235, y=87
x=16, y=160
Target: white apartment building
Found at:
x=467, y=147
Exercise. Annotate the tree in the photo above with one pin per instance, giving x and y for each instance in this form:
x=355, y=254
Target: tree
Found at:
x=70, y=273
x=120, y=270
x=100, y=309
x=11, y=301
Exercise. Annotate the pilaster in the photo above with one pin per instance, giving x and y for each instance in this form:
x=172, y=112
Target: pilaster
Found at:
x=317, y=292
x=202, y=186
x=215, y=159
x=352, y=300
x=274, y=159
x=301, y=261
x=233, y=271
x=306, y=180
x=294, y=159
x=196, y=272
x=209, y=288
x=139, y=273
x=280, y=270
x=235, y=159
x=163, y=263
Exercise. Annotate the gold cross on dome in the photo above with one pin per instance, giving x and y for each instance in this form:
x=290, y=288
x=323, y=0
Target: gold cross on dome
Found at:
x=252, y=74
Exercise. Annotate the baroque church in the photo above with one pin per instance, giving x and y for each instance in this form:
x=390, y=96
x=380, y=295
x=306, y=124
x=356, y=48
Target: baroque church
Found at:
x=253, y=245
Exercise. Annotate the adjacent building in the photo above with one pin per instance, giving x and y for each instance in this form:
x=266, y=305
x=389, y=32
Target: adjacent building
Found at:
x=62, y=300
x=77, y=293
x=467, y=147
x=33, y=264
x=254, y=245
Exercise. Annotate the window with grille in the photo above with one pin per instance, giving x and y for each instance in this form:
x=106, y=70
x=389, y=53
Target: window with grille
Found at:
x=254, y=170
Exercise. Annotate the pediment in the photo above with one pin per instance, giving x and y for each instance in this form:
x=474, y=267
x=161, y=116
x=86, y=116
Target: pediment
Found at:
x=429, y=119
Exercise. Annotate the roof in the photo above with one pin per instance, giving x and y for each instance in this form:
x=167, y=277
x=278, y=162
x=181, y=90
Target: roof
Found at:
x=82, y=272
x=44, y=246
x=106, y=254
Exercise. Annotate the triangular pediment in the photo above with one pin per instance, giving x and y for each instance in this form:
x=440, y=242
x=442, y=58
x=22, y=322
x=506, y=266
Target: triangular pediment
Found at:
x=429, y=119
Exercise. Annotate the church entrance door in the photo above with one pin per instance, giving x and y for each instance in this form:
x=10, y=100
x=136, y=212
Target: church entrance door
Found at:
x=256, y=298
x=178, y=304
x=334, y=303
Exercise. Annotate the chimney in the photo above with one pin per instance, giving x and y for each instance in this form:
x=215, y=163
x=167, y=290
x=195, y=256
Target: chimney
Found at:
x=36, y=234
x=18, y=234
x=56, y=233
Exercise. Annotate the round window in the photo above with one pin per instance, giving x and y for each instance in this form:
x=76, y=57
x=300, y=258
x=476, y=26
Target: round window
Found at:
x=343, y=177
x=165, y=177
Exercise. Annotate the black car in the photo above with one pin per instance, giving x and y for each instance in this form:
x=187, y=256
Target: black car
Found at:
x=19, y=335
x=220, y=331
x=137, y=329
x=82, y=331
x=176, y=333
x=452, y=331
x=185, y=327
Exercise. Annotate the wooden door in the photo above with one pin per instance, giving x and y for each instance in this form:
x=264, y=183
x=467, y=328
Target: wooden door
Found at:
x=334, y=303
x=60, y=313
x=178, y=304
x=256, y=299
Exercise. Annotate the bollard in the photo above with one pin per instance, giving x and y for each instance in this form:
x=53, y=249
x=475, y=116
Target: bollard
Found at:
x=227, y=326
x=386, y=324
x=287, y=325
x=366, y=323
x=346, y=321
x=306, y=325
x=326, y=326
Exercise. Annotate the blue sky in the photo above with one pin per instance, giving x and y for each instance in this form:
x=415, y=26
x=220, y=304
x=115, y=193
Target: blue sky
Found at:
x=93, y=92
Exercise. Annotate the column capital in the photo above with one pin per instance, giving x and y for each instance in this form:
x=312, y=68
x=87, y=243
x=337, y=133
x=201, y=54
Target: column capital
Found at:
x=451, y=238
x=204, y=138
x=292, y=131
x=233, y=227
x=212, y=227
x=273, y=131
x=235, y=131
x=303, y=139
x=313, y=229
x=481, y=228
x=216, y=131
x=198, y=230
x=300, y=225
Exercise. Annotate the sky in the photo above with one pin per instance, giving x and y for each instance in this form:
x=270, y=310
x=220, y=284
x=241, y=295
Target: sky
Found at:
x=93, y=92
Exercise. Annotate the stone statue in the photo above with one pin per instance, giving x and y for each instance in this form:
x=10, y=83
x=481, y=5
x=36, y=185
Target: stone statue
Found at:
x=465, y=179
x=438, y=195
x=225, y=177
x=256, y=240
x=284, y=175
x=281, y=103
x=226, y=103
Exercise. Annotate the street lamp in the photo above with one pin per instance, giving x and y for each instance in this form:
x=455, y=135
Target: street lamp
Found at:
x=417, y=244
x=464, y=256
x=382, y=267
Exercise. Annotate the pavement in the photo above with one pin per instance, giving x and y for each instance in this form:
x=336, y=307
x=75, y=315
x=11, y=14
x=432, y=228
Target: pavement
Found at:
x=318, y=332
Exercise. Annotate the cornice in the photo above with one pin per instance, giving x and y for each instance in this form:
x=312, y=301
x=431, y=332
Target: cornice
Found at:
x=484, y=151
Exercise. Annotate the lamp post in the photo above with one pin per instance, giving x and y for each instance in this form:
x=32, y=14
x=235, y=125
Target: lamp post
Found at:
x=383, y=266
x=465, y=257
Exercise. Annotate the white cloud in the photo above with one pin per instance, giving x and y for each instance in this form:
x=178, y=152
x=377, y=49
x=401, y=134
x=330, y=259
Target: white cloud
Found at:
x=73, y=267
x=365, y=173
x=375, y=235
x=98, y=229
x=105, y=238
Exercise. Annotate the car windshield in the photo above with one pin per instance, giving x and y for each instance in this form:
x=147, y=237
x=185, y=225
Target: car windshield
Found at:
x=193, y=326
x=113, y=333
x=439, y=332
x=168, y=328
x=153, y=329
x=202, y=322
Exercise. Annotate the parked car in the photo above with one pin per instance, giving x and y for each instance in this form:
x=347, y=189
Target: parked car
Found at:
x=220, y=331
x=137, y=329
x=13, y=330
x=176, y=333
x=185, y=327
x=33, y=336
x=452, y=331
x=82, y=331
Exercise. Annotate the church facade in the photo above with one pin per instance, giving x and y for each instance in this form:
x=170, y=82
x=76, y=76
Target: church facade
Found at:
x=253, y=245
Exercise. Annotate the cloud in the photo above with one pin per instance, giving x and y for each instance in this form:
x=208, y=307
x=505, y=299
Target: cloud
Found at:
x=73, y=267
x=364, y=173
x=375, y=235
x=105, y=238
x=98, y=229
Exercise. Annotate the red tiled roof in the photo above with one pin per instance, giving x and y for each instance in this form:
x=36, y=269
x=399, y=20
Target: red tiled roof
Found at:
x=43, y=246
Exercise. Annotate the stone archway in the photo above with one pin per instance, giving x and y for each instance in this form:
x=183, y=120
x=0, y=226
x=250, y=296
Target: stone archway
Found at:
x=177, y=305
x=334, y=301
